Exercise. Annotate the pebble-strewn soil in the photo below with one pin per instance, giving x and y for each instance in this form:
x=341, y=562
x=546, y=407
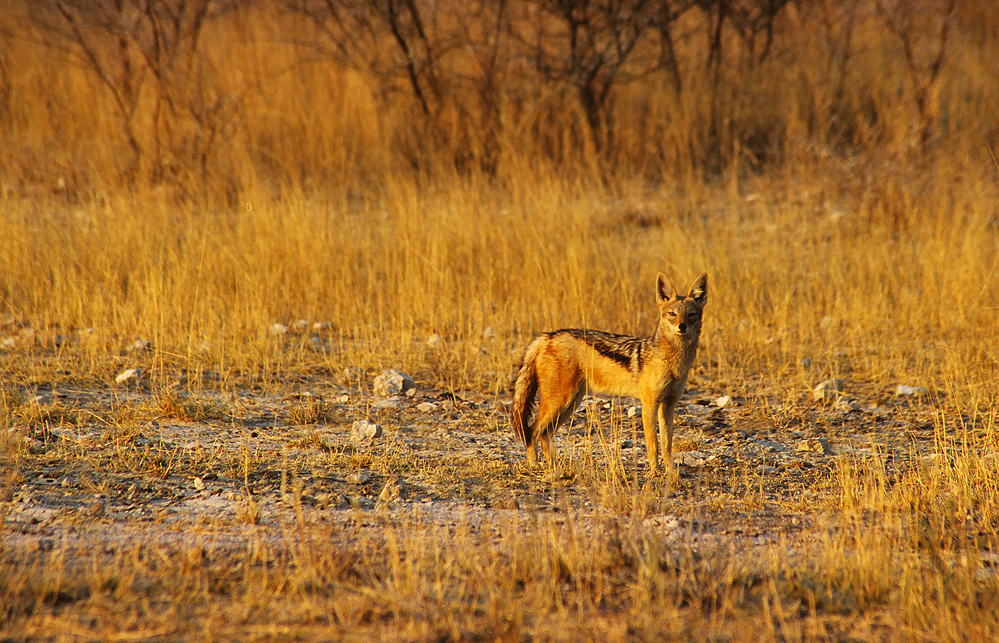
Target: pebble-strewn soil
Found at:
x=131, y=464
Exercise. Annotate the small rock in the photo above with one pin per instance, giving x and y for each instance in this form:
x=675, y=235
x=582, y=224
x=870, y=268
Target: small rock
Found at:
x=392, y=382
x=392, y=491
x=365, y=430
x=910, y=390
x=434, y=341
x=769, y=446
x=321, y=326
x=828, y=390
x=723, y=401
x=342, y=399
x=820, y=445
x=130, y=377
x=302, y=325
x=140, y=345
x=386, y=403
x=8, y=342
x=358, y=478
x=278, y=329
x=354, y=374
x=634, y=411
x=97, y=510
x=488, y=333
x=427, y=407
x=690, y=458
x=846, y=405
x=199, y=484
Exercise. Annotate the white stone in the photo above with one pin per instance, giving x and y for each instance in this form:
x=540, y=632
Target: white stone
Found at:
x=488, y=333
x=392, y=383
x=634, y=411
x=278, y=329
x=358, y=478
x=129, y=377
x=365, y=430
x=302, y=325
x=814, y=445
x=910, y=390
x=427, y=407
x=354, y=373
x=844, y=404
x=723, y=401
x=392, y=491
x=828, y=390
x=690, y=458
x=140, y=345
x=434, y=341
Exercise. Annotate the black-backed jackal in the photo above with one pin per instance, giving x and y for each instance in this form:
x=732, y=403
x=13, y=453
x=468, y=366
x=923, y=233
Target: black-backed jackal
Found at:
x=562, y=365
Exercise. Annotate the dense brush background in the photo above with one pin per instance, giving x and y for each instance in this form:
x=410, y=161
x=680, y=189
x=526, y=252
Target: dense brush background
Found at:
x=194, y=171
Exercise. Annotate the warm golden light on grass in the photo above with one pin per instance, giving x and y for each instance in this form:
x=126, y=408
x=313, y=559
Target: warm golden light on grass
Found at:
x=849, y=230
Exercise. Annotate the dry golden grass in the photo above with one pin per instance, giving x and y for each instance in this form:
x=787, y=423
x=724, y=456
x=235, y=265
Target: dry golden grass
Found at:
x=838, y=244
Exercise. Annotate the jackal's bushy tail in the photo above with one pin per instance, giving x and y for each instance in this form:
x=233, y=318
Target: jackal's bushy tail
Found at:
x=524, y=391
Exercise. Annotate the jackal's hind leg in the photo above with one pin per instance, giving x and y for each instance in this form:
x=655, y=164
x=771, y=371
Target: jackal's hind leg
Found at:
x=546, y=446
x=532, y=450
x=551, y=416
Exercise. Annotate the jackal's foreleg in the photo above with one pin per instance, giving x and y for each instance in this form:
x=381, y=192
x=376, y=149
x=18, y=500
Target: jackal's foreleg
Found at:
x=649, y=430
x=666, y=412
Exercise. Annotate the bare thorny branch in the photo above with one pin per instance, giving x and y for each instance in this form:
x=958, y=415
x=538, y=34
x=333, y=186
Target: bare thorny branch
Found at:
x=122, y=42
x=912, y=22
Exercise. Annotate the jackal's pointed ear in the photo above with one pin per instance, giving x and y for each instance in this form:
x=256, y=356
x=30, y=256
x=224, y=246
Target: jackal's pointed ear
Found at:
x=699, y=291
x=664, y=288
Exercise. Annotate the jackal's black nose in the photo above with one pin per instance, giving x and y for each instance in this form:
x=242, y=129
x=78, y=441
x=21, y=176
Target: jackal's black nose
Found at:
x=682, y=327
